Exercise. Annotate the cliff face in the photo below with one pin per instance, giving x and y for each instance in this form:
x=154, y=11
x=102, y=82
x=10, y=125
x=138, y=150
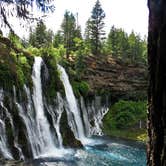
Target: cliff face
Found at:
x=121, y=80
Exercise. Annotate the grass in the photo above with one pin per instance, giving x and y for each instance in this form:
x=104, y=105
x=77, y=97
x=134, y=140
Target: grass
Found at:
x=131, y=134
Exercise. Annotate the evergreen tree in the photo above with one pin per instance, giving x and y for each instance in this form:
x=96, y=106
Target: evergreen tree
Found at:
x=96, y=28
x=58, y=39
x=87, y=34
x=137, y=50
x=129, y=47
x=40, y=37
x=117, y=42
x=69, y=32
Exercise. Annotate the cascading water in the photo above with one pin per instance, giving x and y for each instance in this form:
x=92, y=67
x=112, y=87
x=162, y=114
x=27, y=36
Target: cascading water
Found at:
x=8, y=115
x=3, y=142
x=56, y=116
x=94, y=113
x=77, y=123
x=42, y=120
x=44, y=134
x=38, y=128
x=40, y=136
x=27, y=119
x=79, y=130
x=4, y=150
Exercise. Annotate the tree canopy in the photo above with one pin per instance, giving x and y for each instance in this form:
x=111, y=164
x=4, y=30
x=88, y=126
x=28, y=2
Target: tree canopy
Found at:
x=95, y=26
x=40, y=37
x=21, y=9
x=70, y=30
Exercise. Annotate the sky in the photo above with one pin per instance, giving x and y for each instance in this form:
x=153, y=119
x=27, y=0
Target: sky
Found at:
x=126, y=14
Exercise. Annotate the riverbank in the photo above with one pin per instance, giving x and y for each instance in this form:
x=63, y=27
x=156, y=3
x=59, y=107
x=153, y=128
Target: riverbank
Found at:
x=129, y=134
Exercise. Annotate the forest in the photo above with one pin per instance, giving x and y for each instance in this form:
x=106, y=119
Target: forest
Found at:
x=70, y=48
x=77, y=96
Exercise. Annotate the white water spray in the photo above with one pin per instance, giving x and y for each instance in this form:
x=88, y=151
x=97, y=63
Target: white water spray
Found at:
x=3, y=140
x=44, y=134
x=73, y=108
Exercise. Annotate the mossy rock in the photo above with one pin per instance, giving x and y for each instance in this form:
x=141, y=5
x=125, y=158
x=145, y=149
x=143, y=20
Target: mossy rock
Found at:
x=20, y=130
x=50, y=79
x=69, y=139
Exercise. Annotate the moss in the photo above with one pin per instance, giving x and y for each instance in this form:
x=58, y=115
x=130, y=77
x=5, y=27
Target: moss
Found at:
x=15, y=64
x=68, y=137
x=15, y=69
x=131, y=134
x=80, y=88
x=23, y=70
x=52, y=84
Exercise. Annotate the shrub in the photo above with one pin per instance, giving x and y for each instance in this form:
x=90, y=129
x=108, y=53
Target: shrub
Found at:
x=80, y=88
x=124, y=114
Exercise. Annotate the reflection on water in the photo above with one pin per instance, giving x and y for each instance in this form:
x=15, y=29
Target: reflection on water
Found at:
x=109, y=153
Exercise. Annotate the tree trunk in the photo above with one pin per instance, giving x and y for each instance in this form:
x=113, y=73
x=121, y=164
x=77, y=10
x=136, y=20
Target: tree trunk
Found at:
x=156, y=150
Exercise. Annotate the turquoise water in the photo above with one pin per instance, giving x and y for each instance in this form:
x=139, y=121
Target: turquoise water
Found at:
x=106, y=152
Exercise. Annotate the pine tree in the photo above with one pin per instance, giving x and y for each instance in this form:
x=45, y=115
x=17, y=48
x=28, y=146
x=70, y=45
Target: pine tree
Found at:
x=87, y=34
x=117, y=42
x=96, y=28
x=58, y=39
x=69, y=32
x=40, y=37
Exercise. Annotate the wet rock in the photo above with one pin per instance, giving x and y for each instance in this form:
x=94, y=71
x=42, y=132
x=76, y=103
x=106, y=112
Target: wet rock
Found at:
x=69, y=139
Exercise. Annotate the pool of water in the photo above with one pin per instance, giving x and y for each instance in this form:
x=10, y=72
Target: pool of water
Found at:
x=100, y=152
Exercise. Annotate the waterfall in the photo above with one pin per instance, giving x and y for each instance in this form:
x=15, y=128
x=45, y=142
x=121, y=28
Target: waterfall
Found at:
x=76, y=122
x=85, y=117
x=3, y=142
x=42, y=120
x=33, y=113
x=56, y=116
x=94, y=112
x=4, y=150
x=45, y=137
x=8, y=115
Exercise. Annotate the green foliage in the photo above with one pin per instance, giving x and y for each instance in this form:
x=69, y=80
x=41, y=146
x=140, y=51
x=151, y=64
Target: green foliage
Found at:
x=124, y=114
x=124, y=119
x=69, y=31
x=136, y=134
x=117, y=42
x=80, y=88
x=130, y=48
x=23, y=71
x=81, y=53
x=94, y=30
x=34, y=51
x=58, y=39
x=6, y=74
x=15, y=69
x=15, y=40
x=53, y=84
x=40, y=37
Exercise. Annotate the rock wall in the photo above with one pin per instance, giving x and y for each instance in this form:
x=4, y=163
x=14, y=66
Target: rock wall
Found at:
x=108, y=75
